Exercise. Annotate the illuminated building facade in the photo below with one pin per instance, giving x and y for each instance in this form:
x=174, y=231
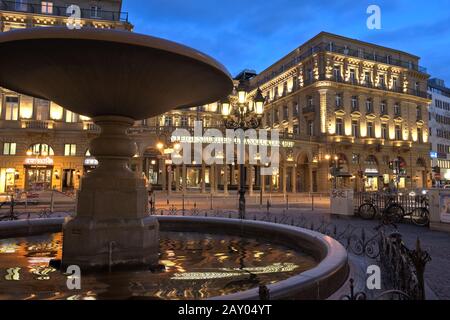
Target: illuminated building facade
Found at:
x=42, y=145
x=440, y=131
x=358, y=113
x=332, y=98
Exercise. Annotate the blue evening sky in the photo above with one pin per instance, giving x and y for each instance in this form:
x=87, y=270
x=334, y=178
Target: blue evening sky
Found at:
x=256, y=33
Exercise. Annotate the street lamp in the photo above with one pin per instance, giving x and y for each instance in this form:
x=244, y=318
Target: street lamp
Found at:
x=243, y=115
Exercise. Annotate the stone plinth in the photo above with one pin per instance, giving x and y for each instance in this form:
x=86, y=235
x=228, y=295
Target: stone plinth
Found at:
x=342, y=202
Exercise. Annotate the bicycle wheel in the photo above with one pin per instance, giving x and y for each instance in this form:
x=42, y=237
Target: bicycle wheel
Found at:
x=394, y=213
x=420, y=217
x=367, y=211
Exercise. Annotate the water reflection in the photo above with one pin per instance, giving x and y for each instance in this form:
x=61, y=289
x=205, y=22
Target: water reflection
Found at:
x=197, y=266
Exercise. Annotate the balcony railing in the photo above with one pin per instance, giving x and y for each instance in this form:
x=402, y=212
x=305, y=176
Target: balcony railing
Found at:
x=61, y=11
x=37, y=124
x=326, y=47
x=309, y=109
x=410, y=91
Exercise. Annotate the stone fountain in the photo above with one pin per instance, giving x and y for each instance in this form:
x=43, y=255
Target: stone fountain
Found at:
x=115, y=78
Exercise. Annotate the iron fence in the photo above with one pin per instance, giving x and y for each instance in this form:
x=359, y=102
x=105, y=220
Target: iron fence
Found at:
x=404, y=268
x=407, y=201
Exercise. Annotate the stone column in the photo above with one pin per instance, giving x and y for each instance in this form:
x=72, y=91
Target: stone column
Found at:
x=111, y=226
x=284, y=179
x=323, y=111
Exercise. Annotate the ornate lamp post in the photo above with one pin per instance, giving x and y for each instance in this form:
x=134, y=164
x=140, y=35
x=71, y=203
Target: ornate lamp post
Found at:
x=243, y=115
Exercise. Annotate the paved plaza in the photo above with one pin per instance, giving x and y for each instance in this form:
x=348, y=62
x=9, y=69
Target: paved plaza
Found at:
x=312, y=207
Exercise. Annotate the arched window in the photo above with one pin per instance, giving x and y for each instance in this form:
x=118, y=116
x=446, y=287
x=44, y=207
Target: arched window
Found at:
x=40, y=149
x=371, y=161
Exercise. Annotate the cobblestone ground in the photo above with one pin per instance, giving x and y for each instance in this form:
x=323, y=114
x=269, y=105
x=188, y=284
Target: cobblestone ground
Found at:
x=436, y=243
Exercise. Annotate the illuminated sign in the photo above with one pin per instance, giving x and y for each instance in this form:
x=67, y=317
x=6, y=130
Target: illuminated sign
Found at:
x=39, y=162
x=223, y=140
x=433, y=155
x=90, y=162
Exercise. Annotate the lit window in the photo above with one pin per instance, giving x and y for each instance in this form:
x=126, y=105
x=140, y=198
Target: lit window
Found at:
x=47, y=7
x=71, y=117
x=12, y=108
x=9, y=148
x=70, y=150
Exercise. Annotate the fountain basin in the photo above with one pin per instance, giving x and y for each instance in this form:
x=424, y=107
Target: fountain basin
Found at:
x=318, y=282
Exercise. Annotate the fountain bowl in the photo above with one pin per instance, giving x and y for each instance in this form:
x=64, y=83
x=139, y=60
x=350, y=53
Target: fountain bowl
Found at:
x=96, y=72
x=320, y=282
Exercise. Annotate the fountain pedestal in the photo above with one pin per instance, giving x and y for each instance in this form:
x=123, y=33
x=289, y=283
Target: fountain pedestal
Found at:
x=112, y=226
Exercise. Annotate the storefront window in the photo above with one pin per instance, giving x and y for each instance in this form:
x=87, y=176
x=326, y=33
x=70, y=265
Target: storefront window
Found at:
x=7, y=180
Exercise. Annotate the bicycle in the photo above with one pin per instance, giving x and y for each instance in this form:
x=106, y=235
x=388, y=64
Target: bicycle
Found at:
x=391, y=213
x=421, y=216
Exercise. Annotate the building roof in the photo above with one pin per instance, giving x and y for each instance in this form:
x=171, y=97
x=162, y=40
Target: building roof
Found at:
x=328, y=34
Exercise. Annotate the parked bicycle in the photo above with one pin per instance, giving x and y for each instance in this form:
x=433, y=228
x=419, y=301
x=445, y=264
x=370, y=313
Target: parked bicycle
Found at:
x=391, y=213
x=420, y=216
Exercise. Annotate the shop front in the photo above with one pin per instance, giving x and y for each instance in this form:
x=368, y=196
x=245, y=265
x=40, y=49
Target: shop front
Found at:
x=371, y=174
x=371, y=180
x=38, y=173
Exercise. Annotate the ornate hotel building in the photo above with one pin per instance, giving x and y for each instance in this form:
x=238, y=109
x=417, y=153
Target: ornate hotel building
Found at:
x=43, y=145
x=350, y=113
x=358, y=114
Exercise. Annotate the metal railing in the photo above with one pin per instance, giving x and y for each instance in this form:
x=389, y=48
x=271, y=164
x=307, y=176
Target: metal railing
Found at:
x=38, y=8
x=380, y=199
